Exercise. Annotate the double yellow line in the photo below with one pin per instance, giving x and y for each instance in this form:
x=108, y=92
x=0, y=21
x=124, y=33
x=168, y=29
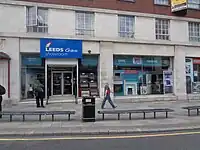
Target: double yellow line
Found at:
x=100, y=137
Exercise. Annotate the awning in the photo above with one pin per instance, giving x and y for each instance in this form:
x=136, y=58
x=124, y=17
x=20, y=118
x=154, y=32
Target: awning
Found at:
x=4, y=56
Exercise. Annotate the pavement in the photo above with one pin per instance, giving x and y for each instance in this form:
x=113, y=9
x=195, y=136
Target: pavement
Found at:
x=177, y=120
x=170, y=141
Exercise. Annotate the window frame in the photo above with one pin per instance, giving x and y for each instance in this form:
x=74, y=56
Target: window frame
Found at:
x=165, y=37
x=158, y=2
x=126, y=34
x=35, y=27
x=192, y=35
x=84, y=30
x=193, y=4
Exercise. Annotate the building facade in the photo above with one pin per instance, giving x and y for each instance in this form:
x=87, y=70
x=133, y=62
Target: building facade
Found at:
x=142, y=49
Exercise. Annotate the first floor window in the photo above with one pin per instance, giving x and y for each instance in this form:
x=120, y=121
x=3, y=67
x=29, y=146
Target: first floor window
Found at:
x=126, y=26
x=192, y=66
x=194, y=31
x=194, y=4
x=37, y=19
x=162, y=29
x=161, y=2
x=85, y=23
x=142, y=75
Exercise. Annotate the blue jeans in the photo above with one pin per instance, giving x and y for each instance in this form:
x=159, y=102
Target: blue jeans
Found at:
x=109, y=100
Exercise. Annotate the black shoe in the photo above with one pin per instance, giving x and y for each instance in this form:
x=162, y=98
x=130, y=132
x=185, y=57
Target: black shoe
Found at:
x=43, y=106
x=38, y=106
x=114, y=107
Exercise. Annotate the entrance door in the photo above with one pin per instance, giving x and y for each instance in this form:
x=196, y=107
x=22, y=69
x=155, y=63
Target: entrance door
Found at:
x=57, y=83
x=67, y=83
x=62, y=83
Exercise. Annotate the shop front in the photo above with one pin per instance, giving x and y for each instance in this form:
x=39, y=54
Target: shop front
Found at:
x=192, y=66
x=142, y=75
x=61, y=66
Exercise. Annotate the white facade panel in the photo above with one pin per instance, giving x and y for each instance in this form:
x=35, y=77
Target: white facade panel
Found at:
x=143, y=49
x=61, y=22
x=179, y=31
x=92, y=46
x=192, y=51
x=4, y=75
x=12, y=49
x=144, y=28
x=12, y=18
x=30, y=45
x=106, y=25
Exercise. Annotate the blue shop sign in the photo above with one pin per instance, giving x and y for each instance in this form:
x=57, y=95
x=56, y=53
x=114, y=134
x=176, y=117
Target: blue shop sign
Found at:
x=26, y=61
x=152, y=61
x=60, y=48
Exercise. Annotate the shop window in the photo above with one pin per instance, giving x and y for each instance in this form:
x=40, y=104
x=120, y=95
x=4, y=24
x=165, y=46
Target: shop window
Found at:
x=32, y=68
x=88, y=75
x=192, y=75
x=136, y=75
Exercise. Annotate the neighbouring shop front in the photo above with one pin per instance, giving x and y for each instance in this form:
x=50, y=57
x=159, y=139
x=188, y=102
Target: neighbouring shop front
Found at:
x=61, y=68
x=142, y=75
x=192, y=66
x=5, y=73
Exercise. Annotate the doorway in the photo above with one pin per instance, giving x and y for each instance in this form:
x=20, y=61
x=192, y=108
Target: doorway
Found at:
x=62, y=83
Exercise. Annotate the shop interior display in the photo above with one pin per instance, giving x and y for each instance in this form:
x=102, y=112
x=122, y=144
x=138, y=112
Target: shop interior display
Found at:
x=88, y=84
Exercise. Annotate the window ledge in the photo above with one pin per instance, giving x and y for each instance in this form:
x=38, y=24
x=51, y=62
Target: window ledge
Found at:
x=164, y=5
x=195, y=9
x=129, y=1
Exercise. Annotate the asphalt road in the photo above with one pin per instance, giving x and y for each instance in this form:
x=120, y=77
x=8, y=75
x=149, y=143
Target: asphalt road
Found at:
x=141, y=142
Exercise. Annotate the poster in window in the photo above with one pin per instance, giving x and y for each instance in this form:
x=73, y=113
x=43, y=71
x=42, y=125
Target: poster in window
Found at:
x=168, y=81
x=189, y=68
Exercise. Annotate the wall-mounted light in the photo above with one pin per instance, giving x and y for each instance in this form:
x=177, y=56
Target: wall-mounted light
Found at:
x=89, y=51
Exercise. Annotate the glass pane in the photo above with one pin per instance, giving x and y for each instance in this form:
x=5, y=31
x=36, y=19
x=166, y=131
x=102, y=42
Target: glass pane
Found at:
x=57, y=83
x=67, y=81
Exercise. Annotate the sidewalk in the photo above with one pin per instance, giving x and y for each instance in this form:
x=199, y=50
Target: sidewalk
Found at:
x=177, y=120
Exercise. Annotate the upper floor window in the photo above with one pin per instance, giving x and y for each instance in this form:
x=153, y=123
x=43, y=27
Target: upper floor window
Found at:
x=162, y=29
x=194, y=31
x=126, y=26
x=195, y=4
x=85, y=23
x=161, y=2
x=37, y=19
x=127, y=0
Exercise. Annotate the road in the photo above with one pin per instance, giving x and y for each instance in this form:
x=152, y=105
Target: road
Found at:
x=170, y=141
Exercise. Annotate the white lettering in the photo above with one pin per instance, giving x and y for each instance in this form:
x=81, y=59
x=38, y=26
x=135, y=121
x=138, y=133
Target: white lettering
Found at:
x=68, y=50
x=54, y=49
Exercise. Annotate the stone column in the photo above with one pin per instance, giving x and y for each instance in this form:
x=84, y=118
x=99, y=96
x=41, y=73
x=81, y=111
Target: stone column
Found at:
x=106, y=65
x=179, y=73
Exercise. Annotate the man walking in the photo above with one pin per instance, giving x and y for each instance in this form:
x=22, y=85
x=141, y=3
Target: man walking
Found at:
x=107, y=97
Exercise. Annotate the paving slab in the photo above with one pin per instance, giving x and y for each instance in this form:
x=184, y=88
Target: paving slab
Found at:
x=177, y=120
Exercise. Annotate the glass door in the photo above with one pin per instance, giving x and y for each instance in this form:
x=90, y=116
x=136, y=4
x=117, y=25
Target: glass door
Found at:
x=67, y=83
x=57, y=83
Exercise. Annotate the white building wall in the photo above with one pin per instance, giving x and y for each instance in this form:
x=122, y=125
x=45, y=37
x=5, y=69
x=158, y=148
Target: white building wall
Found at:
x=144, y=28
x=12, y=18
x=179, y=31
x=179, y=72
x=106, y=41
x=106, y=25
x=106, y=65
x=12, y=49
x=61, y=22
x=143, y=49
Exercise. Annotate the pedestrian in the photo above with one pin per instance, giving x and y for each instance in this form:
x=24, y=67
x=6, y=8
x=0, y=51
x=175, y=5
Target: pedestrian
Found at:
x=39, y=93
x=107, y=97
x=2, y=92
